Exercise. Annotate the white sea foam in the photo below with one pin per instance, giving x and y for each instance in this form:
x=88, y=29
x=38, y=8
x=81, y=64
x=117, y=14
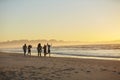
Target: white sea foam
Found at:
x=88, y=51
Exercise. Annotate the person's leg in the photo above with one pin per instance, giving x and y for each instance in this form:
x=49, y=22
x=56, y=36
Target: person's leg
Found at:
x=44, y=54
x=49, y=54
x=40, y=54
x=25, y=53
x=30, y=52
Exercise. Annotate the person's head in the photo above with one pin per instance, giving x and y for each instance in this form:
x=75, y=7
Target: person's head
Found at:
x=40, y=44
x=30, y=46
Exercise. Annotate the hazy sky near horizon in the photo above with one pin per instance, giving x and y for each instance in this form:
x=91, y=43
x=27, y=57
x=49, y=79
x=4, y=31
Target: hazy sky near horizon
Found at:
x=74, y=20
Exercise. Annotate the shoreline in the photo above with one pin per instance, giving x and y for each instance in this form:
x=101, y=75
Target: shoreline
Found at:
x=72, y=56
x=18, y=67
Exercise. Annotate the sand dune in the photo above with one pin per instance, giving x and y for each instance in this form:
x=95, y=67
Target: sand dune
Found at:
x=19, y=67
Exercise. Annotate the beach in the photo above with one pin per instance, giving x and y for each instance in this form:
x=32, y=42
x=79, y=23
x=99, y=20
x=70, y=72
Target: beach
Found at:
x=14, y=66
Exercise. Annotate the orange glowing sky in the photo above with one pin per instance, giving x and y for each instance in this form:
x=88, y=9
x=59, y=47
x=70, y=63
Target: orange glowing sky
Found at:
x=73, y=20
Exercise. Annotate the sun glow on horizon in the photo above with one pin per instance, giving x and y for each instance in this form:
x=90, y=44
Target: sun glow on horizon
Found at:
x=87, y=21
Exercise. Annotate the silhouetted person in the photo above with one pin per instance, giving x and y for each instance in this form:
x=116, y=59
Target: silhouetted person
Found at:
x=45, y=50
x=48, y=48
x=24, y=49
x=29, y=49
x=39, y=49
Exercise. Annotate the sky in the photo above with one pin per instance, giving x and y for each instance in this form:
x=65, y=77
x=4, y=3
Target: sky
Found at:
x=70, y=20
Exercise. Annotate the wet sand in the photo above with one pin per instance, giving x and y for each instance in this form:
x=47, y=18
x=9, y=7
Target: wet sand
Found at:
x=18, y=67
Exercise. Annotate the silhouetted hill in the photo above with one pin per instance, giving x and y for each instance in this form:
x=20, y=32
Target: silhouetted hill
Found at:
x=53, y=42
x=18, y=43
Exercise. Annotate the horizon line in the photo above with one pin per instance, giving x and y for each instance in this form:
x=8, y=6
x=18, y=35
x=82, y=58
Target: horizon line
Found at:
x=60, y=40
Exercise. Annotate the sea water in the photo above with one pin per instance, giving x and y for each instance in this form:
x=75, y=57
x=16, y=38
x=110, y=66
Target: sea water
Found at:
x=78, y=51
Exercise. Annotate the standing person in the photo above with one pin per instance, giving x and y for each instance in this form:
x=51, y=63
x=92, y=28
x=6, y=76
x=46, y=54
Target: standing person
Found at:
x=29, y=49
x=48, y=46
x=45, y=48
x=39, y=49
x=24, y=49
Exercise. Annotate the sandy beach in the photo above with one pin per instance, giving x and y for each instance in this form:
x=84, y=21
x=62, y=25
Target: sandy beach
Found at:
x=18, y=67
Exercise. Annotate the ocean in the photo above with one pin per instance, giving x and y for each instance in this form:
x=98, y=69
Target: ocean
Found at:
x=108, y=52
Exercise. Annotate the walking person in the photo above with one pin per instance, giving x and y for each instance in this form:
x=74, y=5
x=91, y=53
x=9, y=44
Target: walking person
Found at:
x=48, y=48
x=45, y=48
x=39, y=49
x=29, y=49
x=24, y=49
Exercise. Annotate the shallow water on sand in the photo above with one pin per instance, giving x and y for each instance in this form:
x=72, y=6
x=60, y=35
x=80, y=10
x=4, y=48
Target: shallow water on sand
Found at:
x=94, y=52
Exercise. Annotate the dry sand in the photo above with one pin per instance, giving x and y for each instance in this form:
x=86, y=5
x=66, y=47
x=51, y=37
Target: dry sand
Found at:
x=19, y=67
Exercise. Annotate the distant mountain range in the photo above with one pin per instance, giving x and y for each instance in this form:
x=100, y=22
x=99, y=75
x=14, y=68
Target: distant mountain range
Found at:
x=53, y=42
x=17, y=43
x=38, y=41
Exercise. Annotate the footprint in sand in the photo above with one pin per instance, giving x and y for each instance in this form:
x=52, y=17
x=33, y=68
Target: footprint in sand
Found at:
x=81, y=69
x=88, y=71
x=76, y=72
x=104, y=69
x=30, y=67
x=42, y=68
x=114, y=71
x=69, y=69
x=119, y=73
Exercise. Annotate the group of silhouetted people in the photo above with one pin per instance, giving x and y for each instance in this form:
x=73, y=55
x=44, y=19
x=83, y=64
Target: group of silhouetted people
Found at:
x=46, y=49
x=25, y=48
